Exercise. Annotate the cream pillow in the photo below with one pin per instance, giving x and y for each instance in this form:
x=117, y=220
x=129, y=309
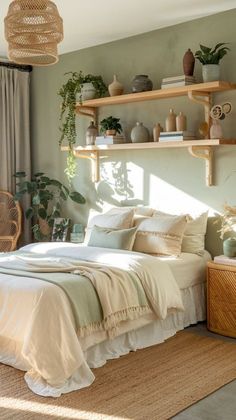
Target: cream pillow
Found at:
x=160, y=235
x=194, y=234
x=114, y=219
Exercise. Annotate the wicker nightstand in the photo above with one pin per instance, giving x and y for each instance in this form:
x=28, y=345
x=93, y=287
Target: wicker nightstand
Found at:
x=221, y=299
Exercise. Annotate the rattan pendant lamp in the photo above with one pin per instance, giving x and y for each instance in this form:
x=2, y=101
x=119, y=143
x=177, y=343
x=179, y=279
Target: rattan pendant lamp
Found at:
x=33, y=29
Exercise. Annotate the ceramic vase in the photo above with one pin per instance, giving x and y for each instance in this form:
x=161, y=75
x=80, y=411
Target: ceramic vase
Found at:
x=139, y=133
x=171, y=121
x=115, y=88
x=216, y=130
x=210, y=72
x=156, y=131
x=91, y=134
x=229, y=247
x=181, y=122
x=88, y=91
x=141, y=83
x=188, y=63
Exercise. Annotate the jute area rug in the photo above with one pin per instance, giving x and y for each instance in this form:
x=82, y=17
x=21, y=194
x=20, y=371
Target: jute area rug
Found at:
x=150, y=384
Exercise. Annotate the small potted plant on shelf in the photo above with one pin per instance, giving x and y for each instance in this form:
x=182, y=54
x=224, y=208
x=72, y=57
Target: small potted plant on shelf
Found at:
x=46, y=195
x=72, y=89
x=210, y=58
x=110, y=126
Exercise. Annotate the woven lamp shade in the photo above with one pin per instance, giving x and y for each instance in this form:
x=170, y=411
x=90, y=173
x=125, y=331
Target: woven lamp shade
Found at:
x=33, y=28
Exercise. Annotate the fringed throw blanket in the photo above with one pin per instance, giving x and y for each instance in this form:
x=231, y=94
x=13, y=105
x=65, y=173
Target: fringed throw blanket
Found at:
x=103, y=295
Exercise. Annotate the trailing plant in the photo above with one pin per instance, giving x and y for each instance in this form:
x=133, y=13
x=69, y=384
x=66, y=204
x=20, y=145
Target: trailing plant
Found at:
x=111, y=123
x=46, y=197
x=68, y=92
x=208, y=55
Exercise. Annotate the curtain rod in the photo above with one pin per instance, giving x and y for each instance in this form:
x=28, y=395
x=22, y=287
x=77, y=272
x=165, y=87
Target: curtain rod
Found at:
x=4, y=62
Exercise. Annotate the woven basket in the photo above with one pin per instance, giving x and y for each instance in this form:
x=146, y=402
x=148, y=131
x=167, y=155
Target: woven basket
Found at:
x=33, y=28
x=10, y=222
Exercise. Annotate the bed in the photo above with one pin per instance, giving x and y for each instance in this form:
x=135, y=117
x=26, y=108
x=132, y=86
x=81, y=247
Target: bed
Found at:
x=38, y=332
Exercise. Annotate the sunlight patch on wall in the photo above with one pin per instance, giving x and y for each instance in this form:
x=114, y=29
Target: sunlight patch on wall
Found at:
x=167, y=198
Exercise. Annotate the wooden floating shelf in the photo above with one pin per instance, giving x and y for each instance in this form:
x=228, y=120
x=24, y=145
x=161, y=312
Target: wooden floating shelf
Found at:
x=152, y=145
x=201, y=89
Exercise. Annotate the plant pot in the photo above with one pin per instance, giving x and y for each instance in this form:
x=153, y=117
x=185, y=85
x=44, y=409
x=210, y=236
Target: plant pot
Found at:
x=110, y=132
x=88, y=91
x=210, y=72
x=229, y=247
x=45, y=229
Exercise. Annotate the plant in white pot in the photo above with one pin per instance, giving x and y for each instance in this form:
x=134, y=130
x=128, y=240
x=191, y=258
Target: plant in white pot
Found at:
x=210, y=59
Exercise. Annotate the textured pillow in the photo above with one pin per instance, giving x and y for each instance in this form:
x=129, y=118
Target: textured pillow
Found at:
x=160, y=235
x=112, y=238
x=114, y=219
x=194, y=234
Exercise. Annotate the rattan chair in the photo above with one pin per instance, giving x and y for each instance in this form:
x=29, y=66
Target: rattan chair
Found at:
x=10, y=222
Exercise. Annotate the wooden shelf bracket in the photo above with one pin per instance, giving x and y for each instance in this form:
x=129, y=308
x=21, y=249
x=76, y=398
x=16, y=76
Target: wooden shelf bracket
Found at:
x=95, y=160
x=206, y=153
x=88, y=111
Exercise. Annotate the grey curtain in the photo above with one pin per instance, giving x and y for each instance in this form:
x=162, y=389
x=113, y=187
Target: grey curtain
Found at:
x=14, y=128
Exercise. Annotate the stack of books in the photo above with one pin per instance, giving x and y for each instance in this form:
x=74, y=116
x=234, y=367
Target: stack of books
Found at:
x=176, y=136
x=109, y=140
x=176, y=81
x=222, y=259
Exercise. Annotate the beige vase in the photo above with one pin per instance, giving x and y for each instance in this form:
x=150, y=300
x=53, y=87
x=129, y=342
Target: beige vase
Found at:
x=181, y=122
x=171, y=121
x=156, y=131
x=115, y=88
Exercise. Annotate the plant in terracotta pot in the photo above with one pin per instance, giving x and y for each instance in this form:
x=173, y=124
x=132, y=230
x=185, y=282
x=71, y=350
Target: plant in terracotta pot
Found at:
x=46, y=197
x=210, y=59
x=110, y=126
x=70, y=91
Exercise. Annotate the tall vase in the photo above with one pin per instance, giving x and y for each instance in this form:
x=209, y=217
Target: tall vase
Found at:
x=91, y=134
x=171, y=121
x=216, y=130
x=156, y=131
x=181, y=122
x=115, y=88
x=188, y=63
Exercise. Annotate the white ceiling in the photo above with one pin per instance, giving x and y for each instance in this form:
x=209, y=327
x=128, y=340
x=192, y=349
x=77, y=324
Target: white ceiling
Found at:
x=93, y=22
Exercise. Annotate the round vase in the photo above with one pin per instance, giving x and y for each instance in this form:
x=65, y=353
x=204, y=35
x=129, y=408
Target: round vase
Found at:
x=216, y=130
x=171, y=121
x=139, y=133
x=229, y=247
x=210, y=72
x=115, y=88
x=88, y=91
x=91, y=134
x=141, y=83
x=188, y=63
x=181, y=122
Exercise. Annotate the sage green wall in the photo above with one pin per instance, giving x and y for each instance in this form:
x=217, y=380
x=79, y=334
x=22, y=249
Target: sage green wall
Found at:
x=171, y=180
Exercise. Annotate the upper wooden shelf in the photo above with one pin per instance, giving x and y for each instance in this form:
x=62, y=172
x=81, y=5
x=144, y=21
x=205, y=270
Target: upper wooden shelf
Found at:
x=152, y=145
x=200, y=88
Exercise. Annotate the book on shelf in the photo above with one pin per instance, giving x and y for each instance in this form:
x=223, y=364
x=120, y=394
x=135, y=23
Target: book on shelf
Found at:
x=109, y=140
x=176, y=138
x=178, y=79
x=176, y=133
x=222, y=259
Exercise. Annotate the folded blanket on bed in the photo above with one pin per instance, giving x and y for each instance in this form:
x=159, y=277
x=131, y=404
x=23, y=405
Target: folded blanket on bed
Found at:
x=127, y=288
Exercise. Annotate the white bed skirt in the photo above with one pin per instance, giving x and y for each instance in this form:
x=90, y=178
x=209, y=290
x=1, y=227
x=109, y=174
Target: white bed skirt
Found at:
x=154, y=332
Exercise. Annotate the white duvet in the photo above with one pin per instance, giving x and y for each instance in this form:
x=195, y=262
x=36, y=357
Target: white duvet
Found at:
x=37, y=329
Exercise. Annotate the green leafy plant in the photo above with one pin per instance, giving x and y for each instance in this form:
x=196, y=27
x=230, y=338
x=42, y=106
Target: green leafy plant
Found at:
x=46, y=197
x=111, y=123
x=68, y=92
x=208, y=55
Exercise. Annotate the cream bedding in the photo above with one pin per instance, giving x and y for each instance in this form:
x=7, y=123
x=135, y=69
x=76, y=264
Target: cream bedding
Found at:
x=34, y=316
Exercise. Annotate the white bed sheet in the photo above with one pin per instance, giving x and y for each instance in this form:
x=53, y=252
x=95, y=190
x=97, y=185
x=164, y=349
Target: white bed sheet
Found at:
x=27, y=303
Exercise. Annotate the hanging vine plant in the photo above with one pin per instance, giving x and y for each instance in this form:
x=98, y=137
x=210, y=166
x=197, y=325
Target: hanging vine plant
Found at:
x=68, y=92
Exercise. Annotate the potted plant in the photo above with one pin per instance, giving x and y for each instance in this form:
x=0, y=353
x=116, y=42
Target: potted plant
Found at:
x=69, y=92
x=228, y=226
x=210, y=58
x=110, y=126
x=46, y=196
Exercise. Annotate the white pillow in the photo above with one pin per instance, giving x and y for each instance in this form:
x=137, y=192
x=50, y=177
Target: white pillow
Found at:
x=160, y=235
x=194, y=234
x=114, y=219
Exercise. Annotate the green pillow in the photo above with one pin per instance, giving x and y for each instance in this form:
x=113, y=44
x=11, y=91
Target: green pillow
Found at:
x=112, y=238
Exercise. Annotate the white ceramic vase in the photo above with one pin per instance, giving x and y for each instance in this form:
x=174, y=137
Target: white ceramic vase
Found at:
x=210, y=72
x=88, y=91
x=216, y=130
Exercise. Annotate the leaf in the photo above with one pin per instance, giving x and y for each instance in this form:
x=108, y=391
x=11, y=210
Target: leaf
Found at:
x=42, y=213
x=19, y=174
x=206, y=50
x=218, y=46
x=29, y=213
x=38, y=174
x=55, y=183
x=36, y=200
x=77, y=197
